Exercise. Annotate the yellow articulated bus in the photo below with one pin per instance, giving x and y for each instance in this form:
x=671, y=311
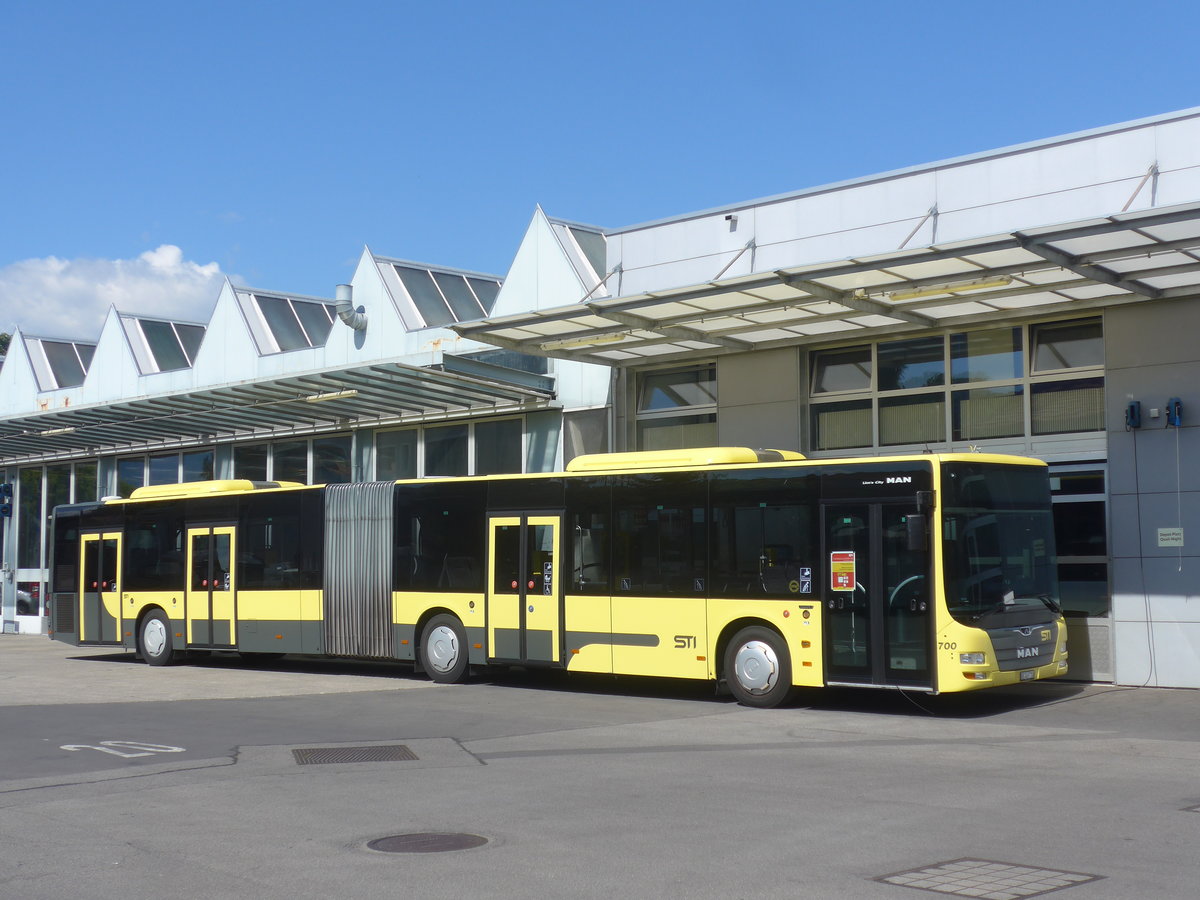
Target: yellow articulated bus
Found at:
x=757, y=569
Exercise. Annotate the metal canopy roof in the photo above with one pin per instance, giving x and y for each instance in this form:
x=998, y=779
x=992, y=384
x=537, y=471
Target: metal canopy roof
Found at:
x=381, y=393
x=1125, y=258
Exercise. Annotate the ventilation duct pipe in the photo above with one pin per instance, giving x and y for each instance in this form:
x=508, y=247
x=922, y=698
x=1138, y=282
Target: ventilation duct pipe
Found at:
x=355, y=318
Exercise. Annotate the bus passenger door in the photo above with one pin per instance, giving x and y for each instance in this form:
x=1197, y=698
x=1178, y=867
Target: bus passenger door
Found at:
x=851, y=607
x=525, y=598
x=211, y=601
x=99, y=588
x=878, y=615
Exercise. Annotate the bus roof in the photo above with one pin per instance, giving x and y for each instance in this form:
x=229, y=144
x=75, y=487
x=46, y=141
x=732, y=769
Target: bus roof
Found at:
x=686, y=458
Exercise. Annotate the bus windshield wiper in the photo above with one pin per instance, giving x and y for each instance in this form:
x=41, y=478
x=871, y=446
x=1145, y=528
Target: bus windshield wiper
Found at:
x=999, y=606
x=1051, y=604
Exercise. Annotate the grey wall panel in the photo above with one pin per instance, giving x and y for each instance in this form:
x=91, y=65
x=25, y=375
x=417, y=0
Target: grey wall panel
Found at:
x=771, y=425
x=765, y=376
x=1160, y=654
x=1174, y=595
x=1136, y=336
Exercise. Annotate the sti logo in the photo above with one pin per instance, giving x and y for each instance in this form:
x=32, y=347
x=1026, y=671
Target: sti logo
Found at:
x=899, y=479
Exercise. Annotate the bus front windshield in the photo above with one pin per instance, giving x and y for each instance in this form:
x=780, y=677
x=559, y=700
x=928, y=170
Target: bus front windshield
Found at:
x=998, y=544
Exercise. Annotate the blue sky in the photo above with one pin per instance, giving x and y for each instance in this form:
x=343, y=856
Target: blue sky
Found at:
x=151, y=149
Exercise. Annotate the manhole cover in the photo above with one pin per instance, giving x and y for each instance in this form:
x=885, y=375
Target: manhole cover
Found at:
x=313, y=756
x=988, y=879
x=426, y=842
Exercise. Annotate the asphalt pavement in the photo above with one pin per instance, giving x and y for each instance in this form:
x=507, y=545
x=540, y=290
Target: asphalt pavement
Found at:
x=219, y=778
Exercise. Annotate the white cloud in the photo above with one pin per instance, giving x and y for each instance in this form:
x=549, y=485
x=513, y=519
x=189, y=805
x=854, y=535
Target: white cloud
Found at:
x=70, y=297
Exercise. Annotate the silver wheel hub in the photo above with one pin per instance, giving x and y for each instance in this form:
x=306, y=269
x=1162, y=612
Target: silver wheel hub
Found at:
x=442, y=648
x=756, y=667
x=154, y=637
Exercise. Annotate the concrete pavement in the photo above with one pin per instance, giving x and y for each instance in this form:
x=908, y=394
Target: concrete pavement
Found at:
x=583, y=788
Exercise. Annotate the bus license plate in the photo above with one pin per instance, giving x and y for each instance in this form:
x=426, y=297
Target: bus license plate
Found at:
x=1027, y=675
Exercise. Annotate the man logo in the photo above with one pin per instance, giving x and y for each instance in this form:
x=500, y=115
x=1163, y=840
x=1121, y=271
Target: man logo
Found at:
x=1027, y=652
x=899, y=479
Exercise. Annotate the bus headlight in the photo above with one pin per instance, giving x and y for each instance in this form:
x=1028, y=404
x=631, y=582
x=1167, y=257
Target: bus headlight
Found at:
x=972, y=659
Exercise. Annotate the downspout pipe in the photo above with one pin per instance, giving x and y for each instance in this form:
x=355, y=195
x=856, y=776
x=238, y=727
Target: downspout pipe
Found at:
x=344, y=305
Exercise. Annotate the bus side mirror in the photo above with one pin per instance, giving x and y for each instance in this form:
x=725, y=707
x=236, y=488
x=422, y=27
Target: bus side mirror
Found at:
x=916, y=532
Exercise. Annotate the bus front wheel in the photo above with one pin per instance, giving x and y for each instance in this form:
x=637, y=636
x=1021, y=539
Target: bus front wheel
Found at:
x=154, y=638
x=444, y=650
x=758, y=668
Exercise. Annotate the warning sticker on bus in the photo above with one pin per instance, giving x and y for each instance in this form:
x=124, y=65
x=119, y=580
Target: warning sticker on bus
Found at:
x=841, y=570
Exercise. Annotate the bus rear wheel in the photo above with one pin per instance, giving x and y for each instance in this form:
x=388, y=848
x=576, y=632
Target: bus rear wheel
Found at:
x=444, y=650
x=154, y=638
x=758, y=668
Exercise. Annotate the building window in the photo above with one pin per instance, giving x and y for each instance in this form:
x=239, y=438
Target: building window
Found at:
x=488, y=447
x=895, y=393
x=841, y=370
x=1081, y=539
x=196, y=466
x=446, y=450
x=396, y=454
x=29, y=512
x=677, y=408
x=499, y=449
x=1060, y=407
x=85, y=482
x=331, y=459
x=250, y=461
x=1068, y=345
x=989, y=413
x=38, y=491
x=289, y=461
x=914, y=419
x=916, y=363
x=162, y=468
x=584, y=431
x=131, y=474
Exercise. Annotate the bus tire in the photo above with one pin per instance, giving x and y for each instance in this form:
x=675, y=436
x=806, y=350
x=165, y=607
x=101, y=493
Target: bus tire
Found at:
x=444, y=650
x=154, y=638
x=758, y=667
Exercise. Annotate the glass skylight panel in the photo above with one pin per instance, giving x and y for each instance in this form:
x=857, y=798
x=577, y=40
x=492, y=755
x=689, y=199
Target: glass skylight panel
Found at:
x=459, y=296
x=282, y=321
x=190, y=336
x=65, y=363
x=486, y=291
x=425, y=294
x=164, y=345
x=86, y=352
x=296, y=324
x=317, y=319
x=593, y=246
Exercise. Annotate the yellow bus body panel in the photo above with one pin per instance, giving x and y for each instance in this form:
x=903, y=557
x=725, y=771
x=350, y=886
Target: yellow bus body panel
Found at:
x=664, y=636
x=589, y=615
x=803, y=635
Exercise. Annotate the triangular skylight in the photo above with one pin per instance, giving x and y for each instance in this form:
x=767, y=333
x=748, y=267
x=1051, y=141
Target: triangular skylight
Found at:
x=282, y=323
x=160, y=345
x=59, y=364
x=428, y=297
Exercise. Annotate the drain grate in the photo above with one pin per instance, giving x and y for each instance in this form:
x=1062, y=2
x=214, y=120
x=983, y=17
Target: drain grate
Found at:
x=426, y=842
x=314, y=756
x=987, y=879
